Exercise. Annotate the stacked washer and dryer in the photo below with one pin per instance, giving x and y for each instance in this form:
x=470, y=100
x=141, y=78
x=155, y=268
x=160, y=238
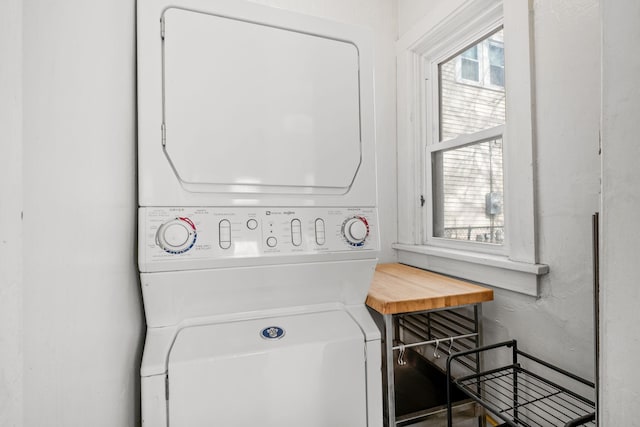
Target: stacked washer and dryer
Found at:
x=258, y=230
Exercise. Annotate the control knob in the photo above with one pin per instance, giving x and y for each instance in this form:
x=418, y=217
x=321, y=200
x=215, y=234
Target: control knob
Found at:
x=177, y=236
x=355, y=230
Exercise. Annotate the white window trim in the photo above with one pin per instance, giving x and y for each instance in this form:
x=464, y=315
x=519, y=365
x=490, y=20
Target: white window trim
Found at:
x=517, y=267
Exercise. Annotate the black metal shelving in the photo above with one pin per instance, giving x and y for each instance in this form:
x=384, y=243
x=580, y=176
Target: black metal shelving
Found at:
x=522, y=393
x=415, y=347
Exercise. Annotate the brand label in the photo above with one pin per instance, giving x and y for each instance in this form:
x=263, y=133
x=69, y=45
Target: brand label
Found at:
x=272, y=333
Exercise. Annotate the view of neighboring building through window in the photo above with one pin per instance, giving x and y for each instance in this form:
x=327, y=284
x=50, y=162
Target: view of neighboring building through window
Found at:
x=483, y=63
x=496, y=60
x=467, y=158
x=470, y=65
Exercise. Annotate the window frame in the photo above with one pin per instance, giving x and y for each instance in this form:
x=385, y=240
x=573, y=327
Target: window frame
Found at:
x=447, y=31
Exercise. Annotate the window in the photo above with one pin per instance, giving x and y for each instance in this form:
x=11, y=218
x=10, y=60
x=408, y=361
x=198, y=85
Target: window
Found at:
x=467, y=179
x=482, y=64
x=469, y=63
x=496, y=62
x=467, y=193
x=465, y=145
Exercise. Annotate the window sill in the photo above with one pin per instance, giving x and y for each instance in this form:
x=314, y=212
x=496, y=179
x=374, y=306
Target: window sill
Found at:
x=493, y=270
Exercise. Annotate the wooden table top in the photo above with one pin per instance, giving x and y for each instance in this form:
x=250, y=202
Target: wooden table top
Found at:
x=399, y=288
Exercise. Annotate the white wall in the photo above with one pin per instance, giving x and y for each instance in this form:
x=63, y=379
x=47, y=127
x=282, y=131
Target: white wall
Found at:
x=620, y=269
x=83, y=325
x=558, y=326
x=11, y=350
x=380, y=17
x=80, y=301
x=412, y=11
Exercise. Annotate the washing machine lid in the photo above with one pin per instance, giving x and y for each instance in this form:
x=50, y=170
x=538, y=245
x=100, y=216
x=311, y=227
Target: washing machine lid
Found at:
x=288, y=371
x=247, y=104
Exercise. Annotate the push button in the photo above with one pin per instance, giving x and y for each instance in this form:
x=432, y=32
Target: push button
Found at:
x=320, y=236
x=296, y=232
x=224, y=239
x=272, y=242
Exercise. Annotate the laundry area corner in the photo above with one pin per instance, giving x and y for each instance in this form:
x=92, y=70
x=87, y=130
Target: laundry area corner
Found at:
x=323, y=213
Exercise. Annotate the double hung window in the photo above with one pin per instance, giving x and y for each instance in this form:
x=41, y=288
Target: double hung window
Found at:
x=465, y=145
x=466, y=155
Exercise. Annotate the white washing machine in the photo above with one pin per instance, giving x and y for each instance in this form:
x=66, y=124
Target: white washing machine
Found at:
x=258, y=230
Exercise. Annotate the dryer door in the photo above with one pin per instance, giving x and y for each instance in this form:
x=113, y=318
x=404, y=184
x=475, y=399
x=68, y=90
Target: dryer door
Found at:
x=249, y=107
x=309, y=370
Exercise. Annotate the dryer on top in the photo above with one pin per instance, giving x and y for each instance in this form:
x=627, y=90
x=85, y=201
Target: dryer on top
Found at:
x=242, y=104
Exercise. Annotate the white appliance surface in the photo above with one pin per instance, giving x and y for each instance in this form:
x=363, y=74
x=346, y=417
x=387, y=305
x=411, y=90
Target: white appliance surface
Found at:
x=241, y=104
x=257, y=195
x=230, y=375
x=200, y=237
x=172, y=297
x=291, y=104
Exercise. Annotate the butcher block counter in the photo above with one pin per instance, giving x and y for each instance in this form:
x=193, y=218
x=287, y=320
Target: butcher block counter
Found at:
x=399, y=288
x=422, y=313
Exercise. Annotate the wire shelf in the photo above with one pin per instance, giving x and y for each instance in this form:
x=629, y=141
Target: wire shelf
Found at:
x=521, y=397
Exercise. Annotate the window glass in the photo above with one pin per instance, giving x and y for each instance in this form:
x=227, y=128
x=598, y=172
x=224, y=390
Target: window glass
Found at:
x=496, y=64
x=471, y=53
x=469, y=65
x=466, y=107
x=467, y=193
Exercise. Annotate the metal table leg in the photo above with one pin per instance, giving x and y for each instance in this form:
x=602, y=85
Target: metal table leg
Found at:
x=390, y=401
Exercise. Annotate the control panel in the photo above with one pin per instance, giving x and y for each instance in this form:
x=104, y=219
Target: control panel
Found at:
x=217, y=233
